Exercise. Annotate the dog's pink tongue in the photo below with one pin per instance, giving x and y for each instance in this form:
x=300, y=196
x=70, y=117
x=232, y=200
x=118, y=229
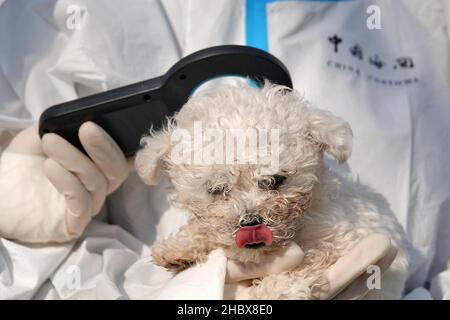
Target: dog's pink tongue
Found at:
x=253, y=234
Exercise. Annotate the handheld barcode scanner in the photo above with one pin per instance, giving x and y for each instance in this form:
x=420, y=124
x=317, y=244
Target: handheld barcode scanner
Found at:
x=128, y=112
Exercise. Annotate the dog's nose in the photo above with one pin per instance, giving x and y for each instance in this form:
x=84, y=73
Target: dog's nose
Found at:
x=250, y=220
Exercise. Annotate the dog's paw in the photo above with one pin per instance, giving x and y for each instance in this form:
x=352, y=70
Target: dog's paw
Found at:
x=282, y=286
x=171, y=262
x=178, y=265
x=175, y=265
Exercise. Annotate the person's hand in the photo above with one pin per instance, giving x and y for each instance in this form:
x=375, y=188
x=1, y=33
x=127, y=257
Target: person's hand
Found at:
x=347, y=278
x=286, y=260
x=49, y=190
x=239, y=276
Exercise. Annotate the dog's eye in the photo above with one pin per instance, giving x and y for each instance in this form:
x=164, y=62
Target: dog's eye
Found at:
x=271, y=183
x=217, y=190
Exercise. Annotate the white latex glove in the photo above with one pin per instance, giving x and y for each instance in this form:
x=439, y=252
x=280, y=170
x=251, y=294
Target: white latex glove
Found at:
x=49, y=190
x=347, y=277
x=239, y=276
x=282, y=261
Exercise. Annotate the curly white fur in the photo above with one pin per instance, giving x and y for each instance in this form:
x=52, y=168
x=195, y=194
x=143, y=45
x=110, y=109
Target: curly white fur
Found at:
x=325, y=214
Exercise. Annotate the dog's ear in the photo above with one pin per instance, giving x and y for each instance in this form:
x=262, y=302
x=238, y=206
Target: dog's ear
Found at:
x=332, y=134
x=150, y=158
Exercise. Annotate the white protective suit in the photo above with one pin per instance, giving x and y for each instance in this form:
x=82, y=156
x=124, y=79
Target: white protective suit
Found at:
x=392, y=84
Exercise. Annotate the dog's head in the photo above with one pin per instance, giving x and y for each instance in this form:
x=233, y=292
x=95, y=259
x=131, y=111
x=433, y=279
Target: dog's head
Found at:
x=245, y=162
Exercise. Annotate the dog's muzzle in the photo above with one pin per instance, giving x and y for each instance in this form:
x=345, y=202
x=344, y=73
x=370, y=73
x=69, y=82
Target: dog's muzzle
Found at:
x=253, y=234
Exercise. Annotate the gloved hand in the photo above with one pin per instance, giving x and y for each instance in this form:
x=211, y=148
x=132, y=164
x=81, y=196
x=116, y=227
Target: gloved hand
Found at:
x=49, y=190
x=279, y=262
x=347, y=278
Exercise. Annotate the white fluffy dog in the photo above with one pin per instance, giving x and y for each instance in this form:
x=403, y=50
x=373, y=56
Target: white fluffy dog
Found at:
x=253, y=203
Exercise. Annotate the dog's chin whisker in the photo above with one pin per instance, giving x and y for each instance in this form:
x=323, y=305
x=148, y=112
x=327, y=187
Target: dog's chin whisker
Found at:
x=287, y=238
